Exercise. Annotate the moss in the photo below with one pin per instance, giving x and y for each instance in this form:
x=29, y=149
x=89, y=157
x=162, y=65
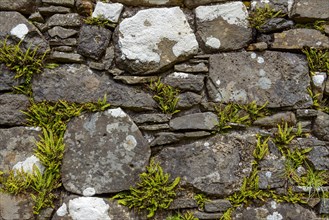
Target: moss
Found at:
x=261, y=15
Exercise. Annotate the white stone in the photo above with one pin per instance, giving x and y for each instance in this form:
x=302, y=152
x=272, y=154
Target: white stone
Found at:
x=218, y=82
x=88, y=208
x=109, y=11
x=140, y=35
x=179, y=75
x=319, y=79
x=117, y=113
x=233, y=12
x=213, y=42
x=290, y=4
x=274, y=216
x=89, y=191
x=20, y=31
x=28, y=164
x=273, y=204
x=62, y=211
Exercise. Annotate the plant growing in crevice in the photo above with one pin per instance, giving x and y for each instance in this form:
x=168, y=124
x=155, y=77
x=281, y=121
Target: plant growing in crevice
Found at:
x=185, y=216
x=318, y=60
x=317, y=25
x=100, y=21
x=284, y=135
x=153, y=192
x=321, y=105
x=260, y=15
x=201, y=200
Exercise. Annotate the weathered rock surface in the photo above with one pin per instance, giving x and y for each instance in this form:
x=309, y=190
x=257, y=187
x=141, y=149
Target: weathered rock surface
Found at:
x=297, y=39
x=197, y=121
x=51, y=10
x=195, y=3
x=196, y=68
x=276, y=25
x=310, y=10
x=154, y=39
x=324, y=206
x=223, y=27
x=69, y=3
x=279, y=78
x=93, y=41
x=166, y=138
x=152, y=118
x=65, y=20
x=22, y=6
x=108, y=11
x=78, y=83
x=215, y=165
x=218, y=205
x=63, y=57
x=274, y=120
x=321, y=126
x=11, y=107
x=150, y=2
x=16, y=207
x=61, y=32
x=185, y=81
x=113, y=152
x=188, y=100
x=284, y=6
x=7, y=80
x=272, y=173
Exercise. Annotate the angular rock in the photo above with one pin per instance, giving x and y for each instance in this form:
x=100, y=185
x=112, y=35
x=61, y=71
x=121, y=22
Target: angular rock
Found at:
x=185, y=81
x=197, y=121
x=218, y=205
x=183, y=203
x=61, y=32
x=223, y=27
x=112, y=153
x=284, y=6
x=297, y=39
x=63, y=42
x=259, y=46
x=195, y=3
x=188, y=100
x=97, y=66
x=150, y=2
x=198, y=68
x=63, y=57
x=279, y=78
x=93, y=41
x=276, y=25
x=305, y=113
x=22, y=6
x=310, y=10
x=272, y=173
x=65, y=20
x=50, y=10
x=319, y=83
x=108, y=11
x=151, y=118
x=214, y=165
x=84, y=7
x=7, y=80
x=278, y=118
x=155, y=39
x=324, y=206
x=11, y=109
x=155, y=127
x=166, y=138
x=197, y=134
x=326, y=89
x=78, y=83
x=321, y=126
x=36, y=17
x=206, y=216
x=16, y=207
x=69, y=3
x=131, y=80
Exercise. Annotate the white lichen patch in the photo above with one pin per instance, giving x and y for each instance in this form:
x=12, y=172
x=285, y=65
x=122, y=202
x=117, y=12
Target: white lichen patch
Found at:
x=109, y=11
x=130, y=143
x=179, y=75
x=274, y=216
x=234, y=13
x=213, y=42
x=89, y=191
x=20, y=31
x=273, y=204
x=262, y=73
x=62, y=211
x=28, y=165
x=260, y=60
x=268, y=174
x=239, y=95
x=290, y=4
x=33, y=128
x=264, y=83
x=319, y=79
x=206, y=144
x=88, y=208
x=116, y=113
x=218, y=82
x=158, y=2
x=253, y=55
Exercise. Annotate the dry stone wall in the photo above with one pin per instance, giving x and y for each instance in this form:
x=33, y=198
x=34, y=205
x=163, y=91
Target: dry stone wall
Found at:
x=205, y=48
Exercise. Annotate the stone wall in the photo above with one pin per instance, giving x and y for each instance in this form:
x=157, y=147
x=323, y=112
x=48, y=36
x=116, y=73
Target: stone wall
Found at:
x=206, y=49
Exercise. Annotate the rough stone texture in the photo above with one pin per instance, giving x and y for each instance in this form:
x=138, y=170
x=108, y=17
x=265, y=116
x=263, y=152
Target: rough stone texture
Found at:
x=218, y=205
x=63, y=57
x=131, y=80
x=197, y=68
x=185, y=81
x=110, y=12
x=51, y=10
x=113, y=152
x=63, y=42
x=181, y=203
x=197, y=121
x=78, y=83
x=214, y=165
x=206, y=216
x=274, y=120
x=11, y=107
x=195, y=3
x=284, y=6
x=259, y=46
x=22, y=6
x=223, y=27
x=310, y=10
x=65, y=20
x=279, y=78
x=324, y=206
x=154, y=39
x=166, y=138
x=306, y=113
x=16, y=207
x=272, y=173
x=69, y=3
x=273, y=210
x=62, y=32
x=93, y=41
x=321, y=126
x=188, y=100
x=319, y=83
x=7, y=80
x=150, y=2
x=152, y=118
x=276, y=25
x=297, y=39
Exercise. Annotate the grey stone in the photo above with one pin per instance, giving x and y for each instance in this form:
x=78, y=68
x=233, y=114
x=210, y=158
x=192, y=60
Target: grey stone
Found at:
x=63, y=42
x=113, y=152
x=324, y=206
x=61, y=32
x=279, y=78
x=63, y=49
x=197, y=121
x=188, y=68
x=275, y=25
x=310, y=10
x=272, y=173
x=108, y=11
x=259, y=46
x=278, y=118
x=65, y=20
x=11, y=109
x=155, y=127
x=142, y=53
x=297, y=39
x=109, y=57
x=204, y=215
x=278, y=5
x=321, y=126
x=183, y=203
x=305, y=113
x=50, y=10
x=16, y=207
x=223, y=27
x=97, y=66
x=214, y=165
x=93, y=41
x=69, y=3
x=152, y=118
x=150, y=3
x=195, y=3
x=185, y=81
x=7, y=80
x=22, y=6
x=218, y=205
x=78, y=83
x=132, y=80
x=196, y=134
x=41, y=26
x=188, y=100
x=63, y=57
x=36, y=17
x=326, y=89
x=166, y=138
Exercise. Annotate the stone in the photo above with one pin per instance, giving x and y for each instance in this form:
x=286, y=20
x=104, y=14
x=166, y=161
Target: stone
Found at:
x=16, y=207
x=274, y=120
x=21, y=6
x=195, y=3
x=310, y=10
x=272, y=173
x=108, y=11
x=113, y=152
x=166, y=138
x=108, y=57
x=16, y=144
x=198, y=68
x=273, y=210
x=154, y=39
x=188, y=100
x=150, y=2
x=297, y=39
x=84, y=7
x=152, y=118
x=93, y=41
x=205, y=216
x=36, y=17
x=321, y=126
x=63, y=42
x=279, y=78
x=218, y=205
x=97, y=66
x=68, y=3
x=326, y=29
x=326, y=89
x=155, y=127
x=198, y=121
x=183, y=203
x=276, y=25
x=284, y=6
x=11, y=109
x=63, y=57
x=324, y=206
x=132, y=80
x=78, y=83
x=7, y=80
x=306, y=113
x=259, y=46
x=65, y=20
x=185, y=81
x=196, y=134
x=29, y=164
x=223, y=27
x=50, y=10
x=61, y=32
x=319, y=83
x=215, y=165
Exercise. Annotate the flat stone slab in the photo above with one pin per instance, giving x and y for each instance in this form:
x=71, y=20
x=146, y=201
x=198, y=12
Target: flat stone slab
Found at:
x=150, y=2
x=22, y=6
x=105, y=153
x=154, y=39
x=279, y=78
x=197, y=121
x=65, y=20
x=185, y=81
x=284, y=6
x=195, y=3
x=69, y=3
x=310, y=10
x=11, y=109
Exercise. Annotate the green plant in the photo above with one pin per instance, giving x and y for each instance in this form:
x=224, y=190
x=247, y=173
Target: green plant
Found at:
x=318, y=60
x=321, y=105
x=201, y=200
x=100, y=21
x=314, y=180
x=317, y=25
x=260, y=15
x=254, y=111
x=185, y=216
x=261, y=149
x=166, y=96
x=153, y=192
x=284, y=135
